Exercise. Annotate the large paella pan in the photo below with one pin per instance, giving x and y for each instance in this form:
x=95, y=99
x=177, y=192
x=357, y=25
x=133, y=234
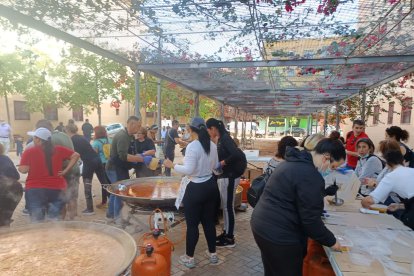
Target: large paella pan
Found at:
x=157, y=191
x=65, y=248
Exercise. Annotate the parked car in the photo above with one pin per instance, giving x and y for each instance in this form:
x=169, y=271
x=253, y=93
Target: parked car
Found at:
x=259, y=133
x=112, y=129
x=296, y=131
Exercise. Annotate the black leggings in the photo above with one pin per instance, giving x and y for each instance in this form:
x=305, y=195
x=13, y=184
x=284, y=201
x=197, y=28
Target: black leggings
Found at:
x=280, y=260
x=199, y=206
x=89, y=168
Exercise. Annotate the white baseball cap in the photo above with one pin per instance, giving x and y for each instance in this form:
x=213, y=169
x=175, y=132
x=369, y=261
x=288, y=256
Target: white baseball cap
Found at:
x=41, y=132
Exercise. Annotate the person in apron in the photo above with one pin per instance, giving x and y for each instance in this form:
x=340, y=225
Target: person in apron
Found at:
x=198, y=191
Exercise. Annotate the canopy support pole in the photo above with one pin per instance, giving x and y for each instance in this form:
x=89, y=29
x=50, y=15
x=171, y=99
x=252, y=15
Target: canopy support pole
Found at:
x=159, y=109
x=325, y=123
x=338, y=119
x=137, y=103
x=364, y=99
x=197, y=104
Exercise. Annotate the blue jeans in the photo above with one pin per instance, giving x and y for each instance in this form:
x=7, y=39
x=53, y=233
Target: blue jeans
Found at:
x=115, y=202
x=41, y=201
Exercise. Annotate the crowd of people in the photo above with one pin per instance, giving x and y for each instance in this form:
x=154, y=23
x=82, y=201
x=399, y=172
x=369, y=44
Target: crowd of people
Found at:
x=287, y=214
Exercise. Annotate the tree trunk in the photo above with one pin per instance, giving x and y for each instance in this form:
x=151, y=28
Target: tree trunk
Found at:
x=6, y=101
x=99, y=114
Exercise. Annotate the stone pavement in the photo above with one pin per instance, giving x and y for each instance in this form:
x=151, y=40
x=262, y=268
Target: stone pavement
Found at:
x=244, y=259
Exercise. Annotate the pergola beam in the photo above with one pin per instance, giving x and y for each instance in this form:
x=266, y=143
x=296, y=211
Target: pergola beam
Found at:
x=279, y=63
x=17, y=17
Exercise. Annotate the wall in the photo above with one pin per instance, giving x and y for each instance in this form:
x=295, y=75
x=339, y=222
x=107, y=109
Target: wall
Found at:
x=64, y=114
x=377, y=132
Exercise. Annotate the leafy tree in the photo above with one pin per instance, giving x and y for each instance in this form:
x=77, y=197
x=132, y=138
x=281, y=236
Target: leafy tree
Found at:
x=90, y=79
x=12, y=77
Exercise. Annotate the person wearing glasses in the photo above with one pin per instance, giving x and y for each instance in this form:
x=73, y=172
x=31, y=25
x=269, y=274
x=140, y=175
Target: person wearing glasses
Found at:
x=358, y=128
x=289, y=210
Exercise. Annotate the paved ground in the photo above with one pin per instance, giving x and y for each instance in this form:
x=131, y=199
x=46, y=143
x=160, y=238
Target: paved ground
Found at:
x=244, y=259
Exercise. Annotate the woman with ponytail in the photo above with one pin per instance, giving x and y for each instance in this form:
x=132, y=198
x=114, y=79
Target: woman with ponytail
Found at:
x=198, y=190
x=233, y=163
x=45, y=183
x=398, y=134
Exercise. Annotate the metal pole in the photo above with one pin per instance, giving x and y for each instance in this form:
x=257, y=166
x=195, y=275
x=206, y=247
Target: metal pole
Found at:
x=267, y=127
x=338, y=119
x=159, y=109
x=197, y=104
x=222, y=112
x=325, y=123
x=137, y=104
x=311, y=124
x=308, y=125
x=364, y=99
x=236, y=129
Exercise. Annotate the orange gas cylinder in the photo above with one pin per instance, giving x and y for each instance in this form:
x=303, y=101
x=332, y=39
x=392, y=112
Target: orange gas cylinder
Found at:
x=320, y=265
x=245, y=184
x=162, y=245
x=149, y=264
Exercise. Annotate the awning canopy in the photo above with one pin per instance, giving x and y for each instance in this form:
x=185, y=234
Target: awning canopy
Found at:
x=267, y=57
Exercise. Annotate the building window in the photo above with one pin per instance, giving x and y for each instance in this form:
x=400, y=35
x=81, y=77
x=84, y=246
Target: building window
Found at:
x=390, y=113
x=406, y=107
x=117, y=112
x=20, y=112
x=77, y=114
x=51, y=112
x=375, y=117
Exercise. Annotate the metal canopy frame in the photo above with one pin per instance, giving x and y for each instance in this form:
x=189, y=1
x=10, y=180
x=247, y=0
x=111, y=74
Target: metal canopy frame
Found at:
x=270, y=61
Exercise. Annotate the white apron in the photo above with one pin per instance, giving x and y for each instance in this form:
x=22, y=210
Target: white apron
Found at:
x=183, y=186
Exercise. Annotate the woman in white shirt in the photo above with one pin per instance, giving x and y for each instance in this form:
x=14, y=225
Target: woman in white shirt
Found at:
x=399, y=181
x=201, y=190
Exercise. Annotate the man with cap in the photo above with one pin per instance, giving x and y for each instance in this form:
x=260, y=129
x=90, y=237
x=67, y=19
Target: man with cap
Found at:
x=45, y=182
x=5, y=136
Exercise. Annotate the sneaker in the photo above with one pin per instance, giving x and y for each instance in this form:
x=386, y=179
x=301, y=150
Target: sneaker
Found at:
x=87, y=212
x=214, y=259
x=221, y=236
x=25, y=212
x=102, y=205
x=187, y=261
x=226, y=242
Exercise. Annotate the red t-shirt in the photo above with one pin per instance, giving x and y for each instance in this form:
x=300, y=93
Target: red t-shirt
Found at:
x=351, y=146
x=38, y=176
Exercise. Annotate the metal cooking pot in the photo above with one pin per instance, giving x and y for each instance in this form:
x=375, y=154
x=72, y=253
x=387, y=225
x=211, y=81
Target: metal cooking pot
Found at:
x=145, y=201
x=123, y=238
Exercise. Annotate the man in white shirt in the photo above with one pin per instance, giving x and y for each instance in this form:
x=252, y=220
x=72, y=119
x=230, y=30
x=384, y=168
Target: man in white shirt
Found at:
x=5, y=136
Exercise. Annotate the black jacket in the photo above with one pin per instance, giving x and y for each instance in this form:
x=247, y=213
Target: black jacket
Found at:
x=234, y=157
x=290, y=208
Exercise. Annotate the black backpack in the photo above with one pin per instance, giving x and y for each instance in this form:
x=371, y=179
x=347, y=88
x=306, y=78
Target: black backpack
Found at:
x=409, y=155
x=256, y=188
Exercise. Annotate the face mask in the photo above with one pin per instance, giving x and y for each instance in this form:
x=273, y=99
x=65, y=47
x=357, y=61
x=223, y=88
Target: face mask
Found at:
x=325, y=169
x=325, y=172
x=364, y=156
